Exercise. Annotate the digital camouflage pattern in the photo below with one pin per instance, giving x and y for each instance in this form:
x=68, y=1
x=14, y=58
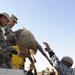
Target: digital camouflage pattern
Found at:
x=7, y=38
x=62, y=69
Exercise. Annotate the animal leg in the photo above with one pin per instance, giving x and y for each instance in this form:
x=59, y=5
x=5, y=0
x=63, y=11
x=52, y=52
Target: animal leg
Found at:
x=43, y=53
x=31, y=60
x=22, y=65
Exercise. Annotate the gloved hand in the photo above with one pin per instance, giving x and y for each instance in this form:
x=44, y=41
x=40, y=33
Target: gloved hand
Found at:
x=21, y=54
x=23, y=28
x=47, y=46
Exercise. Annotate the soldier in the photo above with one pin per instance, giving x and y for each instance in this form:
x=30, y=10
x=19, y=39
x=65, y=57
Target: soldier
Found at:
x=5, y=48
x=4, y=18
x=30, y=69
x=52, y=72
x=64, y=66
x=13, y=21
x=12, y=36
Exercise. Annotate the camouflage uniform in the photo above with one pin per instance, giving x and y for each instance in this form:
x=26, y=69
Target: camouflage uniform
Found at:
x=11, y=36
x=6, y=48
x=62, y=69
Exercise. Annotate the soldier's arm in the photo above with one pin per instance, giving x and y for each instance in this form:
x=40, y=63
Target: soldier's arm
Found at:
x=18, y=32
x=57, y=64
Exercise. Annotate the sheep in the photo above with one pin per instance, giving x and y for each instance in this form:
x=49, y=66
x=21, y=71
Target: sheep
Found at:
x=28, y=44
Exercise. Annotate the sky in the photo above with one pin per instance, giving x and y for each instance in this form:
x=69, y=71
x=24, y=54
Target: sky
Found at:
x=52, y=21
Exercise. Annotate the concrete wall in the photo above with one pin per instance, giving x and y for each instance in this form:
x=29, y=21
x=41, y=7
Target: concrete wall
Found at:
x=11, y=72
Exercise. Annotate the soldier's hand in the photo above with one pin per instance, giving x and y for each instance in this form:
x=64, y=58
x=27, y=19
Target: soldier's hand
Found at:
x=23, y=28
x=47, y=46
x=22, y=54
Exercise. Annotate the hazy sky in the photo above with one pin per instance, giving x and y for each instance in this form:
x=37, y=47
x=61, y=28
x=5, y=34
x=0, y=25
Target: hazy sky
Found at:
x=49, y=20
